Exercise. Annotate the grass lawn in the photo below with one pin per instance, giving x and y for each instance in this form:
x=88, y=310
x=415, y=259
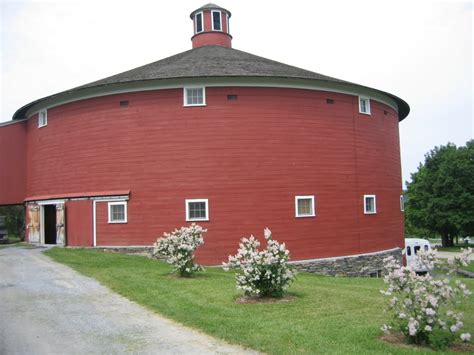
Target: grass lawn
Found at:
x=327, y=315
x=456, y=248
x=13, y=242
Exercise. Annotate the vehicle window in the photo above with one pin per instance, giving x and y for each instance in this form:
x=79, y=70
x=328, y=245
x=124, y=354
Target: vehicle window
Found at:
x=408, y=251
x=426, y=248
x=416, y=249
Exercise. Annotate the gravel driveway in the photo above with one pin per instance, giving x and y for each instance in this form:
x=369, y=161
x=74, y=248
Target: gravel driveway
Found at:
x=48, y=308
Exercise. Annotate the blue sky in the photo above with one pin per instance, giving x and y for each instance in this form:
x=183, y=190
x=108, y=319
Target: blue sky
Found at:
x=421, y=51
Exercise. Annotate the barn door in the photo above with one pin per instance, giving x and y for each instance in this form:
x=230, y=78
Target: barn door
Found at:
x=60, y=224
x=34, y=223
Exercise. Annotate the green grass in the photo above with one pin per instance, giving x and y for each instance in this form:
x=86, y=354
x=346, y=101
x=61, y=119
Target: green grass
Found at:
x=456, y=248
x=327, y=315
x=13, y=242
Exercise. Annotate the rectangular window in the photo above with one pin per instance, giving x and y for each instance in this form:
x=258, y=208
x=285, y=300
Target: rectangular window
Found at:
x=227, y=21
x=195, y=96
x=118, y=212
x=369, y=204
x=43, y=118
x=304, y=206
x=402, y=203
x=216, y=21
x=198, y=21
x=364, y=105
x=197, y=210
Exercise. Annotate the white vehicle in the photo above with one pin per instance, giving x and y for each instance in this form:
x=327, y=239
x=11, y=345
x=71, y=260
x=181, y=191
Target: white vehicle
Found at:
x=412, y=247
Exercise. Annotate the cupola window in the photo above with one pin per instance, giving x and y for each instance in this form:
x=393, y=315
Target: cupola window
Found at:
x=364, y=105
x=216, y=21
x=369, y=204
x=195, y=96
x=43, y=118
x=198, y=22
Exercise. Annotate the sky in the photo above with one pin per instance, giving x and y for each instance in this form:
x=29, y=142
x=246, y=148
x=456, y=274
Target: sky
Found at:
x=421, y=51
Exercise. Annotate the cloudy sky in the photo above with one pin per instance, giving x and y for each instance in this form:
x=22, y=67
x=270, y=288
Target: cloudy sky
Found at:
x=421, y=51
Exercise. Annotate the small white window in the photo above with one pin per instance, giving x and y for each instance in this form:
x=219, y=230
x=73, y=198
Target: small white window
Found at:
x=197, y=210
x=369, y=204
x=43, y=118
x=304, y=206
x=216, y=20
x=227, y=22
x=364, y=105
x=195, y=96
x=118, y=212
x=198, y=22
x=402, y=203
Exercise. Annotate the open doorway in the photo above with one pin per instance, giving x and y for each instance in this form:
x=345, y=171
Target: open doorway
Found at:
x=49, y=224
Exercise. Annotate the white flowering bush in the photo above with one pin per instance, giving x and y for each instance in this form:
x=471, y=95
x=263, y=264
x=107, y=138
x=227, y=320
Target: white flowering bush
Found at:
x=420, y=304
x=263, y=273
x=178, y=248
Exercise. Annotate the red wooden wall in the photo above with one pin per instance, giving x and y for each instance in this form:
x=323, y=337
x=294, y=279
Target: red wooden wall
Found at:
x=249, y=157
x=12, y=163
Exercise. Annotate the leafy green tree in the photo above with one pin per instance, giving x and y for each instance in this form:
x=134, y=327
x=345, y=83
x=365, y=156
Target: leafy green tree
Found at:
x=440, y=196
x=14, y=220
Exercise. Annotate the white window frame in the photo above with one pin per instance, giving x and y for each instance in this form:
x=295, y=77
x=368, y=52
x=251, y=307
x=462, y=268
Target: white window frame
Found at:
x=115, y=203
x=195, y=22
x=365, y=204
x=185, y=95
x=42, y=123
x=402, y=203
x=227, y=23
x=188, y=218
x=313, y=209
x=212, y=19
x=367, y=105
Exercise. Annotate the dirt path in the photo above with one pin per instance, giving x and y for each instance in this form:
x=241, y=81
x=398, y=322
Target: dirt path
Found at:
x=48, y=308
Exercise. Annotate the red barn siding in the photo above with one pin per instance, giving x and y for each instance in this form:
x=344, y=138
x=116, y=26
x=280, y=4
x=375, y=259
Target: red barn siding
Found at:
x=79, y=223
x=249, y=157
x=12, y=163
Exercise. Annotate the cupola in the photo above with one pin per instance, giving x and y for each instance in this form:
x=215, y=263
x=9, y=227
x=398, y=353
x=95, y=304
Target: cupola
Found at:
x=211, y=26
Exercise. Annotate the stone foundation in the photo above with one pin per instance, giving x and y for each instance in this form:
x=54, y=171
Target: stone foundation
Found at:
x=368, y=265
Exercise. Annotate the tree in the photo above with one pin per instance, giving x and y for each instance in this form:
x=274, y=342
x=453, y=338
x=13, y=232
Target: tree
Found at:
x=14, y=220
x=440, y=197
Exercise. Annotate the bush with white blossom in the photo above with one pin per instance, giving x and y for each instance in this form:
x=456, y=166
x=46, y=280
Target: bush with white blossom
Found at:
x=420, y=304
x=263, y=273
x=178, y=247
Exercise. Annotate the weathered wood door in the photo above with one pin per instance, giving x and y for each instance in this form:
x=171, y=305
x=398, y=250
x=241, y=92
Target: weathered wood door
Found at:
x=60, y=224
x=34, y=223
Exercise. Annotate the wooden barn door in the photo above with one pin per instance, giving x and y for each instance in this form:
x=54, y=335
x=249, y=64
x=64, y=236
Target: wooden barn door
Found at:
x=33, y=223
x=60, y=224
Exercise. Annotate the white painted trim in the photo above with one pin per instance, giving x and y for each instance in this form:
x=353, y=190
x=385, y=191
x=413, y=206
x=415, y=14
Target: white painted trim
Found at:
x=313, y=210
x=195, y=22
x=220, y=19
x=49, y=202
x=375, y=204
x=45, y=123
x=185, y=95
x=402, y=203
x=187, y=201
x=367, y=105
x=344, y=257
x=94, y=223
x=8, y=123
x=117, y=203
x=164, y=84
x=227, y=22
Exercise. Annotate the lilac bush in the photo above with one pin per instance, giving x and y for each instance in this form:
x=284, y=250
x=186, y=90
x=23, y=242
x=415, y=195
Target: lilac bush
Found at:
x=178, y=247
x=263, y=273
x=420, y=305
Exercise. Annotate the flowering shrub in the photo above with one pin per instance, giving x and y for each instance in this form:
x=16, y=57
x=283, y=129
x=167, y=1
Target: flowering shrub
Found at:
x=420, y=304
x=265, y=272
x=178, y=247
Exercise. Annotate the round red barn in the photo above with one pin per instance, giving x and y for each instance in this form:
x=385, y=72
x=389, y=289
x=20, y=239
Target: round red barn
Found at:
x=219, y=137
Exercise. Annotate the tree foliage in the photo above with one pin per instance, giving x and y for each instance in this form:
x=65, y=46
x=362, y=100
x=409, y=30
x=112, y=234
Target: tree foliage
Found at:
x=440, y=196
x=14, y=220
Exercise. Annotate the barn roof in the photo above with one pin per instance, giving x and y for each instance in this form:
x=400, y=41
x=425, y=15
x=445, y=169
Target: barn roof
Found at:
x=213, y=61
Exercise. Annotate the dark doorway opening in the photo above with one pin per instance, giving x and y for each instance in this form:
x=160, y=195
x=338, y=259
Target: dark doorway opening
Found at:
x=49, y=224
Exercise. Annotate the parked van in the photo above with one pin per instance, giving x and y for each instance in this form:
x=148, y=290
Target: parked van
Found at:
x=412, y=247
